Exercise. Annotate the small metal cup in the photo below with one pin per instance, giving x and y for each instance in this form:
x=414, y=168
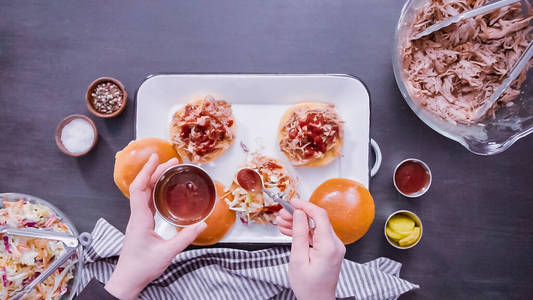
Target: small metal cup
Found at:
x=175, y=171
x=424, y=189
x=415, y=218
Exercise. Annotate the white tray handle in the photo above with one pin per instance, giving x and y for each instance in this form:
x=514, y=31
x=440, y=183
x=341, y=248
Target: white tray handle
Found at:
x=377, y=152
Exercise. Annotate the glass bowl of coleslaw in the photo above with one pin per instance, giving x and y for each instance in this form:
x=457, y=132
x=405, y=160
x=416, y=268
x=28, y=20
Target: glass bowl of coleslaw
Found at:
x=23, y=259
x=492, y=134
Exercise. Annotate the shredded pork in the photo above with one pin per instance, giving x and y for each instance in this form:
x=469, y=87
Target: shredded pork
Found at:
x=203, y=127
x=310, y=133
x=453, y=71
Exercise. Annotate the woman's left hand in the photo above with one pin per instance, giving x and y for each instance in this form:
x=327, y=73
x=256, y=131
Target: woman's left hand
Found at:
x=145, y=255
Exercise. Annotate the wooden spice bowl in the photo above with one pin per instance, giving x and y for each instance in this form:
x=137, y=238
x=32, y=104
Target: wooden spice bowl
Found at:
x=62, y=124
x=89, y=97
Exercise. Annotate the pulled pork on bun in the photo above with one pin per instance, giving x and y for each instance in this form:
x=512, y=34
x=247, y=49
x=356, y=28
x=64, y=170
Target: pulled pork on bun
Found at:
x=311, y=134
x=203, y=129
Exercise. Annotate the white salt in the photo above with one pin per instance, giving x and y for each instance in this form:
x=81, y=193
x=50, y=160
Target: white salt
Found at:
x=77, y=136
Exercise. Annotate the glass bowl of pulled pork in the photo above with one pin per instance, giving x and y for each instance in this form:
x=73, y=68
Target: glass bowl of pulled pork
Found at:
x=446, y=76
x=22, y=259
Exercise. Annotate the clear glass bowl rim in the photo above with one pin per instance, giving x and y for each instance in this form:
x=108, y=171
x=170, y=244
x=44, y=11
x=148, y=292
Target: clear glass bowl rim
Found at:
x=491, y=148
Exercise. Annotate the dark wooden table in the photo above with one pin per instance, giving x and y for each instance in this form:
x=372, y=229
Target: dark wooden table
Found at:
x=478, y=223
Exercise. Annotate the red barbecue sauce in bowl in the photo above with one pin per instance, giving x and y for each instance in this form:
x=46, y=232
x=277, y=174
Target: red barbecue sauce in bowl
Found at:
x=184, y=195
x=411, y=177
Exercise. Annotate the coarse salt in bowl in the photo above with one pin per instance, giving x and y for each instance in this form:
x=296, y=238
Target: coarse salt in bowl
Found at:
x=76, y=135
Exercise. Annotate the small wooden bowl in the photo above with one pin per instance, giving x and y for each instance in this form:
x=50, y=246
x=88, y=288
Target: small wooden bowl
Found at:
x=89, y=97
x=62, y=124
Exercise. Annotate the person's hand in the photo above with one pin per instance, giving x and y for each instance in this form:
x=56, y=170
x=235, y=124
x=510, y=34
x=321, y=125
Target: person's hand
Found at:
x=316, y=255
x=145, y=255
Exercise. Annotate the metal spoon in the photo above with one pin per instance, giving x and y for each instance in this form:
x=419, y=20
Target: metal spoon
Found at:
x=252, y=181
x=67, y=239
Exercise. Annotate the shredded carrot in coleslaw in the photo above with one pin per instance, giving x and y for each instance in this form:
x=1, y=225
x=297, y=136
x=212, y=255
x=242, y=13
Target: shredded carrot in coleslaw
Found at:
x=27, y=258
x=259, y=208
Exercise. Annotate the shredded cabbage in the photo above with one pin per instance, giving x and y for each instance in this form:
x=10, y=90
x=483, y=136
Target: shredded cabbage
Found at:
x=259, y=208
x=23, y=258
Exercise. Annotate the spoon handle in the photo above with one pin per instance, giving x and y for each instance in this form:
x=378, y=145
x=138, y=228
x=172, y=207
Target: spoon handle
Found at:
x=286, y=205
x=69, y=240
x=274, y=196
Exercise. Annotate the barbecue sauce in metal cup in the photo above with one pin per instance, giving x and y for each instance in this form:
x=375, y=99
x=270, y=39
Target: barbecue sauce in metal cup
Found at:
x=412, y=177
x=184, y=195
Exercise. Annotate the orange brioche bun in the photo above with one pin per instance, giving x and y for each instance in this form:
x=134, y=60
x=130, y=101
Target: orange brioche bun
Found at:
x=130, y=160
x=175, y=131
x=349, y=205
x=329, y=155
x=218, y=223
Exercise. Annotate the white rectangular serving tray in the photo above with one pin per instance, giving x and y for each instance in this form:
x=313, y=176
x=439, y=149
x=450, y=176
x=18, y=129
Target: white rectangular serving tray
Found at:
x=258, y=101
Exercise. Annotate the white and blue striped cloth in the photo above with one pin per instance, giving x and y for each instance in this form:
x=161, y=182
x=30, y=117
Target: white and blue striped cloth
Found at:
x=222, y=273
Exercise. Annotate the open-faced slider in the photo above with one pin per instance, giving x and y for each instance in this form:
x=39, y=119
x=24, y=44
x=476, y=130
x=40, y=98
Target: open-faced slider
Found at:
x=311, y=134
x=203, y=129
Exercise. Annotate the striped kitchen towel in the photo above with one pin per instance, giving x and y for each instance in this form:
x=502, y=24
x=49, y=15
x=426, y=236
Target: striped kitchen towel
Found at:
x=222, y=273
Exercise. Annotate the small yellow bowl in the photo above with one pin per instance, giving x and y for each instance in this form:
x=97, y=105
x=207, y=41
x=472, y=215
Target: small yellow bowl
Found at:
x=411, y=215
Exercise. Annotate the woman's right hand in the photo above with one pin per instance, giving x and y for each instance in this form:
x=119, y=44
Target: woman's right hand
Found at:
x=316, y=255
